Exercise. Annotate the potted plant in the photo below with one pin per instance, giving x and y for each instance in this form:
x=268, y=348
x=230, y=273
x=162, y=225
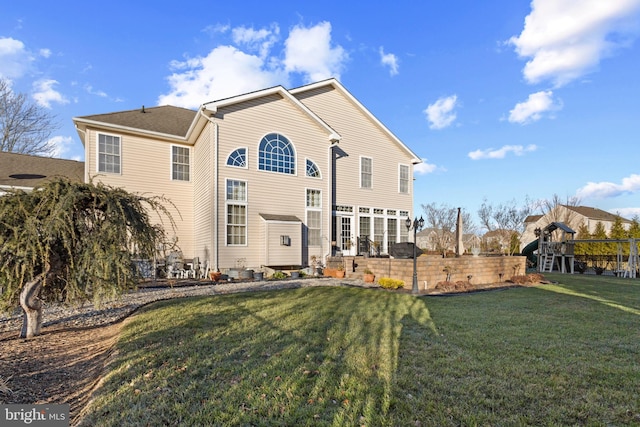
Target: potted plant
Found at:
x=340, y=273
x=215, y=275
x=368, y=276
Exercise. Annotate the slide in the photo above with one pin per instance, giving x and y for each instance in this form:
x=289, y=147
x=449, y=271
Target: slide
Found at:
x=529, y=250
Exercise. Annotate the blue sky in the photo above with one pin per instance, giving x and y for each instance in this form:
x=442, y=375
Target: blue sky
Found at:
x=503, y=100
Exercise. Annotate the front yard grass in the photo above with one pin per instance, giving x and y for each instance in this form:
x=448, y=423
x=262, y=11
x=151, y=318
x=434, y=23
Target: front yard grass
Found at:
x=557, y=354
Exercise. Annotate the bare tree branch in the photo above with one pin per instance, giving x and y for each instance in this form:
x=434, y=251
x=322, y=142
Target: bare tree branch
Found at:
x=25, y=127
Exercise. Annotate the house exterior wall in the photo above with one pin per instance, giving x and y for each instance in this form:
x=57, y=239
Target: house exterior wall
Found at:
x=243, y=126
x=146, y=170
x=277, y=254
x=362, y=137
x=204, y=179
x=311, y=122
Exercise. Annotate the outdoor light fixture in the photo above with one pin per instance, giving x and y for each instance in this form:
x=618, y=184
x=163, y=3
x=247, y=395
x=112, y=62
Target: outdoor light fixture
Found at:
x=417, y=225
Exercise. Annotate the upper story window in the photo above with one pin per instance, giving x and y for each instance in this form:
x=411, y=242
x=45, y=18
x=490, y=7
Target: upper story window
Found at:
x=238, y=158
x=312, y=169
x=366, y=172
x=180, y=169
x=403, y=178
x=275, y=154
x=109, y=153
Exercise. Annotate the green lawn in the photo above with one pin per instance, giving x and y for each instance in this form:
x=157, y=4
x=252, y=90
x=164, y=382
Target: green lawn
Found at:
x=560, y=354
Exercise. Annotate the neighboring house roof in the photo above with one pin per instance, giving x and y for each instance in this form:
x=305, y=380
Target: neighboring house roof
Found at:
x=595, y=213
x=167, y=120
x=337, y=85
x=496, y=233
x=532, y=218
x=26, y=171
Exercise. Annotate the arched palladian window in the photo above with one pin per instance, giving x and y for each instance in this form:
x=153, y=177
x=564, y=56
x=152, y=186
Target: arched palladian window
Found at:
x=312, y=169
x=275, y=154
x=238, y=158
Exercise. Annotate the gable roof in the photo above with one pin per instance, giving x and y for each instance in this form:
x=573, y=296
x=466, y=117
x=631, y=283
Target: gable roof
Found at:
x=167, y=121
x=213, y=106
x=338, y=86
x=26, y=171
x=532, y=218
x=595, y=213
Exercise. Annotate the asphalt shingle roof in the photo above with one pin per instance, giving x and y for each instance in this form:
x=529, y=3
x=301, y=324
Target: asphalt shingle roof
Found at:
x=166, y=119
x=23, y=170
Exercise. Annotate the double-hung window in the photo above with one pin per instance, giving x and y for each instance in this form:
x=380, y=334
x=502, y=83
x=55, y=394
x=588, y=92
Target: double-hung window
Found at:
x=180, y=163
x=109, y=153
x=314, y=217
x=236, y=198
x=366, y=172
x=403, y=179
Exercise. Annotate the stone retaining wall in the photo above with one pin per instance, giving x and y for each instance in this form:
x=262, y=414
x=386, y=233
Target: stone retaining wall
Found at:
x=430, y=269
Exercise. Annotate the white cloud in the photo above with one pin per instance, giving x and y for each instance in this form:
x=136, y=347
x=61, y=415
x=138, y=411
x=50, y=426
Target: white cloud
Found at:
x=389, y=60
x=61, y=145
x=565, y=39
x=502, y=152
x=533, y=108
x=202, y=79
x=253, y=63
x=14, y=58
x=256, y=40
x=440, y=114
x=91, y=91
x=45, y=94
x=425, y=168
x=604, y=189
x=628, y=213
x=45, y=53
x=308, y=50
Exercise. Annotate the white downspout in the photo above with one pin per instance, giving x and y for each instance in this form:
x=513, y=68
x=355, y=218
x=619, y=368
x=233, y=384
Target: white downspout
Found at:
x=334, y=143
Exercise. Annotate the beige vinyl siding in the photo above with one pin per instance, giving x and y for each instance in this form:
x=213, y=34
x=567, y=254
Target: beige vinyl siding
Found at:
x=244, y=125
x=203, y=183
x=146, y=170
x=281, y=255
x=361, y=137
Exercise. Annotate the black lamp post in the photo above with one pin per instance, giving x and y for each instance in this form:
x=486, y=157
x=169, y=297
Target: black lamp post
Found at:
x=417, y=225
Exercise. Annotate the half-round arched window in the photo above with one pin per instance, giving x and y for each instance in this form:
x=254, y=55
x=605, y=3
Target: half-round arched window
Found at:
x=276, y=154
x=238, y=158
x=312, y=169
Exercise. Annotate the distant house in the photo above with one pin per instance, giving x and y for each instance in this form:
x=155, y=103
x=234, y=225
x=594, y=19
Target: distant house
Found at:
x=574, y=217
x=23, y=171
x=275, y=177
x=430, y=239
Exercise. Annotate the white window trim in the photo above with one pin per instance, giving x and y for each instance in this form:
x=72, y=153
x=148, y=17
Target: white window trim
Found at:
x=246, y=155
x=244, y=203
x=171, y=163
x=408, y=178
x=295, y=157
x=98, y=152
x=360, y=175
x=315, y=163
x=312, y=209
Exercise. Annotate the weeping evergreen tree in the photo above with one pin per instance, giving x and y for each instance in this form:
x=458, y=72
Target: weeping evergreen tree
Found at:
x=72, y=242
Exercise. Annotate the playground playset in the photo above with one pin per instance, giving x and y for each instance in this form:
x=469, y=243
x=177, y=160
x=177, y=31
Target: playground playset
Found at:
x=559, y=255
